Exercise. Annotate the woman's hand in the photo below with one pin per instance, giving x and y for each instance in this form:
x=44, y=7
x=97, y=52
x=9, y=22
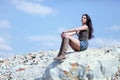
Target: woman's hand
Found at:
x=67, y=34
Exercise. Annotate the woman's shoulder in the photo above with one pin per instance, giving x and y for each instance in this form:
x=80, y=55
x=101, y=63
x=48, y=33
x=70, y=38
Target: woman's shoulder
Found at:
x=85, y=27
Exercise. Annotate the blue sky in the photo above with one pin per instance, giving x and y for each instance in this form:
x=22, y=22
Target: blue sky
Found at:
x=35, y=25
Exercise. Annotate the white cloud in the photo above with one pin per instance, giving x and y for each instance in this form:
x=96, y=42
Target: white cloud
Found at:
x=114, y=28
x=45, y=41
x=4, y=43
x=5, y=47
x=5, y=54
x=43, y=38
x=1, y=40
x=32, y=8
x=50, y=44
x=4, y=24
x=101, y=42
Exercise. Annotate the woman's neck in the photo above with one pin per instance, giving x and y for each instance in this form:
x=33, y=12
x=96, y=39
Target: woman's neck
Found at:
x=83, y=24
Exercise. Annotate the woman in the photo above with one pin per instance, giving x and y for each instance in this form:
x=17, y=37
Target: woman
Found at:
x=84, y=33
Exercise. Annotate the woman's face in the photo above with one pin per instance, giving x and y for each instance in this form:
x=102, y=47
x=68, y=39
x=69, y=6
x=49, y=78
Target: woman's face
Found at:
x=84, y=19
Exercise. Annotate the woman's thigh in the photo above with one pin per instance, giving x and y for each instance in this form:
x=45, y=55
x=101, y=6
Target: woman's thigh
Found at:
x=74, y=43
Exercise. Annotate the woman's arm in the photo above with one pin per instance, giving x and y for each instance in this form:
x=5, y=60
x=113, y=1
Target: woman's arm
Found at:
x=77, y=29
x=73, y=31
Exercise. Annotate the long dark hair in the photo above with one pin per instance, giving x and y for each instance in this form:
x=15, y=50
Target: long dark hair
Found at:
x=89, y=24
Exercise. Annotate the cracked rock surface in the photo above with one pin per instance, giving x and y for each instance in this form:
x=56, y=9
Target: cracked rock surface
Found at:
x=91, y=64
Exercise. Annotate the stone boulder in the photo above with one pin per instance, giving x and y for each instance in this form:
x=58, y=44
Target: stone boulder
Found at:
x=91, y=64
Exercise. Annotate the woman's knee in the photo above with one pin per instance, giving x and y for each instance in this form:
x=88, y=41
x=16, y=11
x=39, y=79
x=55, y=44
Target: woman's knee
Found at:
x=69, y=37
x=64, y=35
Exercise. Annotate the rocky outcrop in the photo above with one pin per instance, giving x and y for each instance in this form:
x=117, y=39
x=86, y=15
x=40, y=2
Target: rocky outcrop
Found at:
x=91, y=64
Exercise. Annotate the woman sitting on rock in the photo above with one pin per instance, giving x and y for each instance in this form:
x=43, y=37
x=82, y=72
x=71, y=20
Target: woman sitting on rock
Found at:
x=84, y=33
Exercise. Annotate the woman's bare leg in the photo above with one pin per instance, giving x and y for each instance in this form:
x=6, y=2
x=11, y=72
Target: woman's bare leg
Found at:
x=74, y=43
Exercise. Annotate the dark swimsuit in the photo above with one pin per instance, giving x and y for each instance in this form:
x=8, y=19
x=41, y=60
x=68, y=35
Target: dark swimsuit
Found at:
x=83, y=38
